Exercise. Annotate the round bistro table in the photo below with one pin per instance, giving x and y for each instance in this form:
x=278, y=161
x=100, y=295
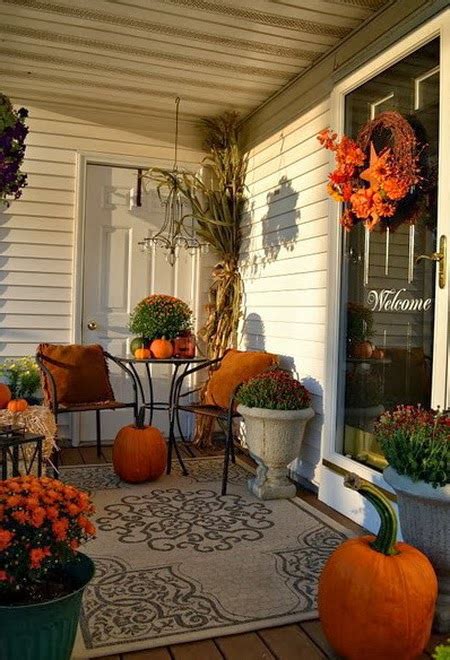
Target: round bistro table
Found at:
x=179, y=367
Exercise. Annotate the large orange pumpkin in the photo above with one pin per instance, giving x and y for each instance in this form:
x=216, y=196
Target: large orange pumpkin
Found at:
x=5, y=395
x=17, y=405
x=161, y=348
x=376, y=596
x=139, y=452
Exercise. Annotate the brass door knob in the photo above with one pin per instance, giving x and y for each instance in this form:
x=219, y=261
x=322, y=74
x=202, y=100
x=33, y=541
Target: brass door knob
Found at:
x=92, y=325
x=441, y=258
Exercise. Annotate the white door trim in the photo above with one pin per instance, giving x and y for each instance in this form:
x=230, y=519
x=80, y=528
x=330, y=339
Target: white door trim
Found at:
x=439, y=26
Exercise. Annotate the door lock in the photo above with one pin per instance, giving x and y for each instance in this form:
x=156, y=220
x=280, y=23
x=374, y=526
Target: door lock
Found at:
x=441, y=258
x=92, y=325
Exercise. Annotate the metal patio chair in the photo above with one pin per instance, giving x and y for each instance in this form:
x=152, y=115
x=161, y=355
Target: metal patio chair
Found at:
x=49, y=368
x=223, y=415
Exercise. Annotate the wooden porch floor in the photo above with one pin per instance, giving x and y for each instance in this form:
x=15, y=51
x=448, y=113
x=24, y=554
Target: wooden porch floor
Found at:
x=303, y=641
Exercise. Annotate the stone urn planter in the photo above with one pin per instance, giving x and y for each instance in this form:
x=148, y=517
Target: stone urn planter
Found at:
x=274, y=439
x=425, y=523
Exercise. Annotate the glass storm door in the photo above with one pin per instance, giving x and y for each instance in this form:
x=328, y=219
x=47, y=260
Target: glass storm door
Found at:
x=390, y=276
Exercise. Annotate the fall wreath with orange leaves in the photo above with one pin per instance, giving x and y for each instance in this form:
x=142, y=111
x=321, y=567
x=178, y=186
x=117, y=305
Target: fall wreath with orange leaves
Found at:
x=375, y=173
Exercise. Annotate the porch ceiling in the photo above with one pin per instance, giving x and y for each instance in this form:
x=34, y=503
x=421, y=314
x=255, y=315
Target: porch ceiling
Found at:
x=137, y=55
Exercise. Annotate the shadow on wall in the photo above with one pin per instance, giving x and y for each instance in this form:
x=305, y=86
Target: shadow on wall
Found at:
x=279, y=226
x=253, y=333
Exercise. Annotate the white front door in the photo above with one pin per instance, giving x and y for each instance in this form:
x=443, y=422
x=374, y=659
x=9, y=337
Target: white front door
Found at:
x=117, y=275
x=385, y=293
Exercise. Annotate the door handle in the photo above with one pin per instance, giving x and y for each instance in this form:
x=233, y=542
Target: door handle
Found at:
x=441, y=258
x=92, y=325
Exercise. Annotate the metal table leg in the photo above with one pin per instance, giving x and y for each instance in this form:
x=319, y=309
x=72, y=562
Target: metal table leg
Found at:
x=150, y=389
x=177, y=412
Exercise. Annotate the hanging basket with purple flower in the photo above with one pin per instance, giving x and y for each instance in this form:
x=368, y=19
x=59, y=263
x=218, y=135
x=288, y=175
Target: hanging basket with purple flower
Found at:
x=13, y=132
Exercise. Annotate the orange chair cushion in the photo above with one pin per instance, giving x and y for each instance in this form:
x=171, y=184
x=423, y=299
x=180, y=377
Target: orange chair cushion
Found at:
x=80, y=373
x=235, y=368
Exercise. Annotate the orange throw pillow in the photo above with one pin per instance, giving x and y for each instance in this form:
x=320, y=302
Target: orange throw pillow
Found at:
x=80, y=373
x=235, y=368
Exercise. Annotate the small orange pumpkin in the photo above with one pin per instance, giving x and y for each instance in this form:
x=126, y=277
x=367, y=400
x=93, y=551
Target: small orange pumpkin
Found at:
x=162, y=348
x=139, y=452
x=363, y=350
x=17, y=405
x=376, y=596
x=142, y=353
x=5, y=395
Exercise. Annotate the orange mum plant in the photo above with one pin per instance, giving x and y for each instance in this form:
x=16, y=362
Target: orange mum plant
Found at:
x=42, y=524
x=371, y=184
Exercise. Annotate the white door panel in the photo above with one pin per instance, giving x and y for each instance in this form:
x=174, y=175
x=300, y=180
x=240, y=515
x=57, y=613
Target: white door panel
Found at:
x=117, y=275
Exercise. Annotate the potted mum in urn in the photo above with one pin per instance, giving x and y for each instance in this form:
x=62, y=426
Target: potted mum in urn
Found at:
x=42, y=575
x=276, y=409
x=416, y=444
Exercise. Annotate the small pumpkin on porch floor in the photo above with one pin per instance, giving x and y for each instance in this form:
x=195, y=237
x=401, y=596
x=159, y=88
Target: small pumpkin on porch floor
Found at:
x=376, y=596
x=139, y=452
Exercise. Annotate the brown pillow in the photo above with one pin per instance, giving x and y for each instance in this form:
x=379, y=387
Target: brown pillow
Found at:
x=80, y=373
x=235, y=368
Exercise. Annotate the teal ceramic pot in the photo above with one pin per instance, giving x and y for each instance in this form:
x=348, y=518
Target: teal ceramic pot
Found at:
x=45, y=631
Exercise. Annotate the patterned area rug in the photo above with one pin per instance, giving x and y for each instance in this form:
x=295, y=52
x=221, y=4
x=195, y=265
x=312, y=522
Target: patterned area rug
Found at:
x=177, y=562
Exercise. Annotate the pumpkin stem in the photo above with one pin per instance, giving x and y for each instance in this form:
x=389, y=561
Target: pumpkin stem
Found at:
x=387, y=535
x=140, y=419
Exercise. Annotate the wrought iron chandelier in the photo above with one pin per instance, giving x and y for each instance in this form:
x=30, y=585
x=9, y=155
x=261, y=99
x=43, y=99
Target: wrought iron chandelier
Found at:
x=174, y=233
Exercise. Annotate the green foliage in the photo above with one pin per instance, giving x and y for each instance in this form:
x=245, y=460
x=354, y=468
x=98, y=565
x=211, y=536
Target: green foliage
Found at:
x=274, y=389
x=442, y=652
x=22, y=376
x=160, y=316
x=416, y=443
x=13, y=132
x=359, y=322
x=363, y=390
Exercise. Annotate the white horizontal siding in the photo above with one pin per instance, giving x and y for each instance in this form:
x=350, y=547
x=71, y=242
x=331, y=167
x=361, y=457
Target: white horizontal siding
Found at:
x=284, y=260
x=37, y=231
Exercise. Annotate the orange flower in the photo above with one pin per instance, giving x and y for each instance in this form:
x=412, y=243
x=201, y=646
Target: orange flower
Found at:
x=395, y=188
x=327, y=139
x=14, y=500
x=38, y=516
x=73, y=509
x=59, y=528
x=90, y=528
x=5, y=538
x=347, y=191
x=361, y=202
x=31, y=502
x=37, y=555
x=20, y=516
x=52, y=512
x=13, y=486
x=74, y=544
x=52, y=496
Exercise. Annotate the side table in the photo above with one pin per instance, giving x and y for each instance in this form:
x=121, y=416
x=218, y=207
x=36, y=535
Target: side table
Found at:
x=20, y=447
